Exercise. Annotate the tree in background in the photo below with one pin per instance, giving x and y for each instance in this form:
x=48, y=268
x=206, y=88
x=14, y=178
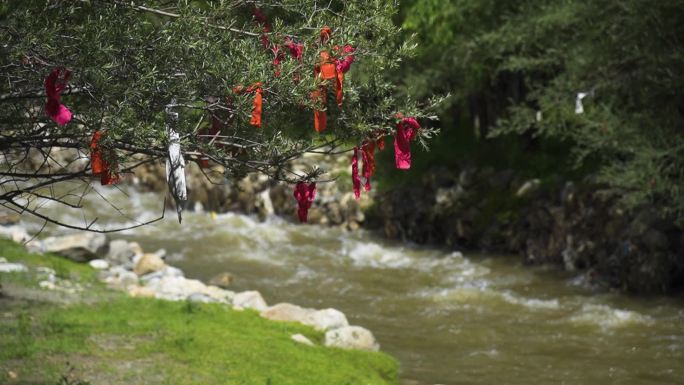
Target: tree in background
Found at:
x=516, y=68
x=237, y=81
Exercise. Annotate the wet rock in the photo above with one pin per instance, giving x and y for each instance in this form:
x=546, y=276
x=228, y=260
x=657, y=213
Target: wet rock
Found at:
x=149, y=263
x=528, y=188
x=7, y=267
x=81, y=247
x=250, y=300
x=301, y=339
x=224, y=280
x=351, y=337
x=99, y=264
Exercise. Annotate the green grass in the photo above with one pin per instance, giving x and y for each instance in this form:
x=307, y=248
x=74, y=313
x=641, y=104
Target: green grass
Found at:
x=147, y=341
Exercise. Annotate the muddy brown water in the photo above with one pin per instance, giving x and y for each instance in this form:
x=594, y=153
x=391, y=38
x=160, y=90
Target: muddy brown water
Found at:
x=448, y=318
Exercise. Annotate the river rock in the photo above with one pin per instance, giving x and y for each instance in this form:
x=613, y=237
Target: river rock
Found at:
x=140, y=291
x=224, y=279
x=301, y=339
x=121, y=278
x=288, y=312
x=220, y=295
x=351, y=337
x=12, y=268
x=81, y=247
x=176, y=288
x=328, y=319
x=200, y=297
x=323, y=320
x=250, y=300
x=528, y=188
x=15, y=232
x=122, y=252
x=149, y=263
x=99, y=264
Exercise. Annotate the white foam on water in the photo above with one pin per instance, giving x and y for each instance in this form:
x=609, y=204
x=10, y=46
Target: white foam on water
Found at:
x=531, y=303
x=370, y=254
x=608, y=318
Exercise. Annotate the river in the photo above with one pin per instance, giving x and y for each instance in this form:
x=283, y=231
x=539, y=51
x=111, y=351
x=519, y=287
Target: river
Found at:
x=448, y=318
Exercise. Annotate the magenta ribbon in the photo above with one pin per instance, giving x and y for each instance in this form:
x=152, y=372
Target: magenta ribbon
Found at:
x=304, y=194
x=356, y=181
x=53, y=88
x=407, y=129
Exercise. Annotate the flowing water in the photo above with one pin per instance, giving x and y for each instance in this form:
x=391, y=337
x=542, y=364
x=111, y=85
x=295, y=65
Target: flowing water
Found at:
x=448, y=318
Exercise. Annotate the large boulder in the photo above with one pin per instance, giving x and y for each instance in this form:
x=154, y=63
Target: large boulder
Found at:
x=81, y=247
x=122, y=252
x=288, y=312
x=14, y=232
x=148, y=263
x=326, y=319
x=351, y=337
x=176, y=288
x=250, y=300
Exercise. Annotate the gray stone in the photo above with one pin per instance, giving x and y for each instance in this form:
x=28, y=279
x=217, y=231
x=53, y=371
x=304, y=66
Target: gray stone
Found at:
x=15, y=232
x=300, y=338
x=122, y=252
x=176, y=288
x=328, y=319
x=99, y=264
x=250, y=300
x=81, y=247
x=351, y=337
x=12, y=268
x=200, y=297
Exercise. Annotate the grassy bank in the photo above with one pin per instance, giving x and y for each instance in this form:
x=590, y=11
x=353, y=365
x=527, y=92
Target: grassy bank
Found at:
x=104, y=337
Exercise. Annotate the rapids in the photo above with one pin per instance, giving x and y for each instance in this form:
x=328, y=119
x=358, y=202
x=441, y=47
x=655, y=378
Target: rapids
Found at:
x=448, y=318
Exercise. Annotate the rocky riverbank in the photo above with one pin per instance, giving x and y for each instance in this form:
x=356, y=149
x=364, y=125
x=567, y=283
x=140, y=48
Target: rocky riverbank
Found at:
x=255, y=194
x=575, y=225
x=125, y=266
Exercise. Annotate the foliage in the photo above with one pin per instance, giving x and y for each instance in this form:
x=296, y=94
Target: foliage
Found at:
x=118, y=339
x=129, y=62
x=516, y=68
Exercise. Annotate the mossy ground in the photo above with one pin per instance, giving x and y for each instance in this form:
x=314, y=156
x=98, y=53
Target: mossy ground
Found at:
x=108, y=338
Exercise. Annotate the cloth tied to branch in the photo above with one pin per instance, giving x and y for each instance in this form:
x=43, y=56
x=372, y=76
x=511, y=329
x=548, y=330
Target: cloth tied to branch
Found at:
x=368, y=156
x=175, y=164
x=407, y=129
x=257, y=104
x=53, y=89
x=263, y=21
x=330, y=69
x=99, y=164
x=304, y=194
x=356, y=181
x=342, y=65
